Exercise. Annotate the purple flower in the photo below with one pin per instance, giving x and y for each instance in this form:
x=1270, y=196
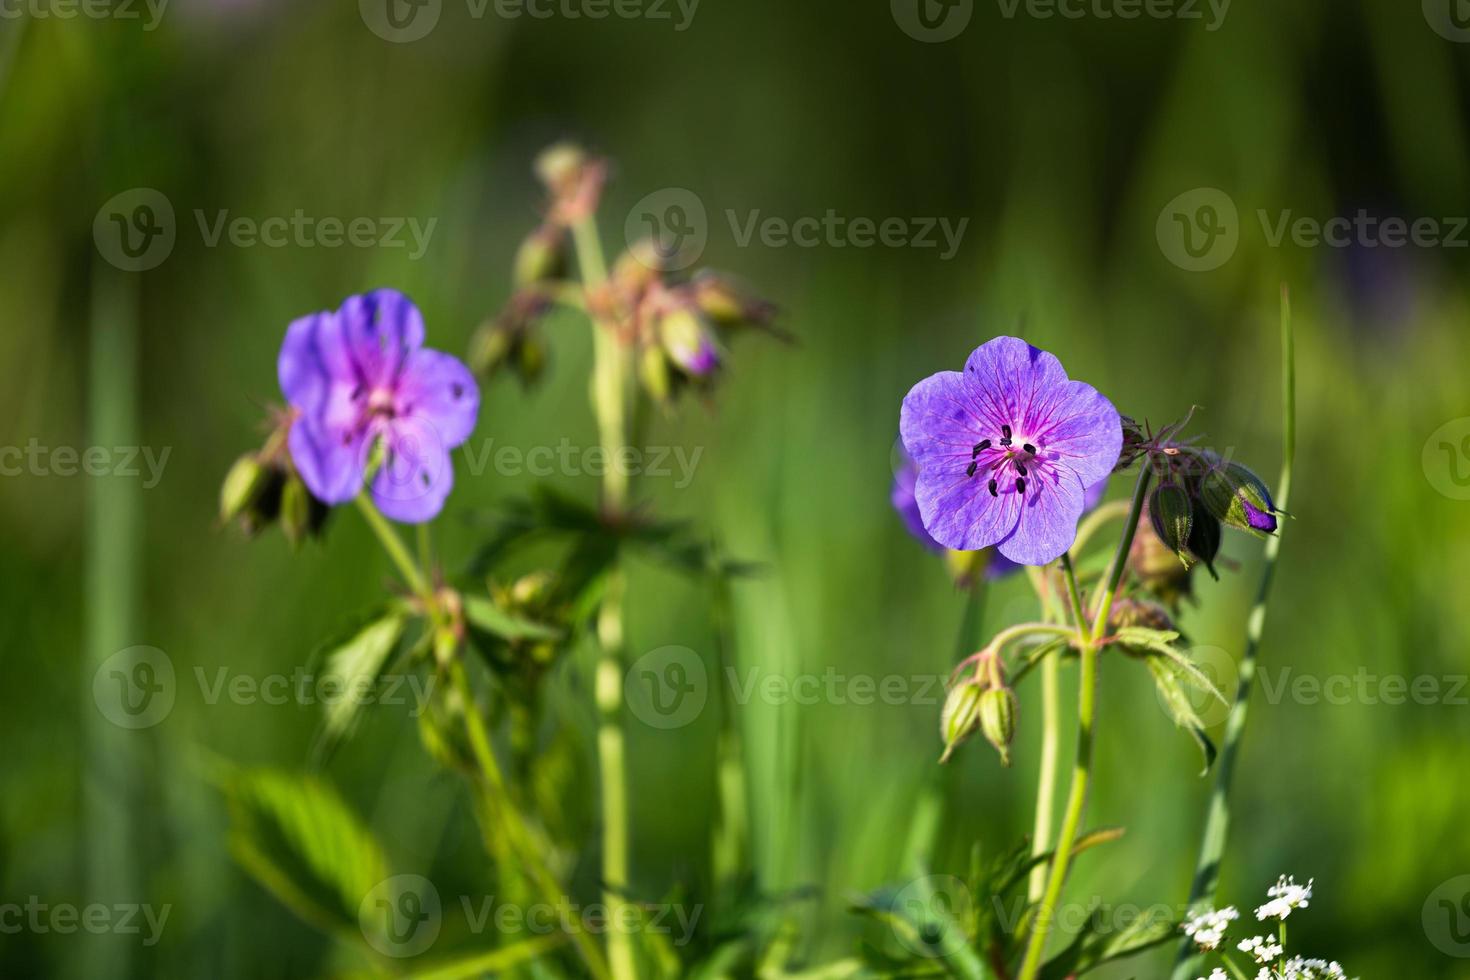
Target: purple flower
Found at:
x=364, y=388
x=1006, y=450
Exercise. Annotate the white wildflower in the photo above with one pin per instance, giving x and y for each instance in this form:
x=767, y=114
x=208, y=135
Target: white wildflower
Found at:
x=1284, y=896
x=1207, y=928
x=1263, y=948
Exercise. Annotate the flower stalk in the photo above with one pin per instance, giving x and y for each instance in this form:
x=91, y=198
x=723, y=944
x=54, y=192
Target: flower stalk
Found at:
x=1217, y=822
x=1088, y=638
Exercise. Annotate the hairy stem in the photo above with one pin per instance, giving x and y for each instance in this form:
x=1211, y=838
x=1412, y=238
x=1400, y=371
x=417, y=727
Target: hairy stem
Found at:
x=1046, y=778
x=611, y=383
x=1087, y=638
x=1217, y=823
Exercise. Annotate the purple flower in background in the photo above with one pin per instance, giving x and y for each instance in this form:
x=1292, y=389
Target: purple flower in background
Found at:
x=361, y=382
x=1006, y=451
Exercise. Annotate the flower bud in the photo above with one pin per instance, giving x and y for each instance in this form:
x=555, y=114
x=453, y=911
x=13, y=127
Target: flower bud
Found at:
x=728, y=303
x=1140, y=612
x=688, y=340
x=541, y=257
x=529, y=358
x=653, y=371
x=1239, y=498
x=560, y=165
x=295, y=511
x=961, y=715
x=1171, y=513
x=1204, y=541
x=242, y=487
x=531, y=590
x=490, y=347
x=1157, y=567
x=998, y=708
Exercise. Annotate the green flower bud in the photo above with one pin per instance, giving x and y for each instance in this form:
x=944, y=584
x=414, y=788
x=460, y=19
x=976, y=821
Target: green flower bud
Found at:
x=1171, y=513
x=295, y=511
x=541, y=257
x=998, y=708
x=1204, y=541
x=560, y=165
x=530, y=358
x=491, y=345
x=653, y=371
x=961, y=715
x=728, y=303
x=1157, y=567
x=1239, y=498
x=689, y=342
x=242, y=487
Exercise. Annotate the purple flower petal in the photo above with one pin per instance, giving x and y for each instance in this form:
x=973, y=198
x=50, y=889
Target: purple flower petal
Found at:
x=316, y=370
x=416, y=475
x=330, y=461
x=439, y=388
x=380, y=330
x=902, y=498
x=1004, y=451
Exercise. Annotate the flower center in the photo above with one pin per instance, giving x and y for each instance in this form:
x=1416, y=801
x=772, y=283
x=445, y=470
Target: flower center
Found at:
x=1004, y=460
x=381, y=403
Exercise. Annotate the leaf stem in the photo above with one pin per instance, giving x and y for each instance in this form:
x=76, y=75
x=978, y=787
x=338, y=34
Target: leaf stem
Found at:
x=1086, y=706
x=1217, y=822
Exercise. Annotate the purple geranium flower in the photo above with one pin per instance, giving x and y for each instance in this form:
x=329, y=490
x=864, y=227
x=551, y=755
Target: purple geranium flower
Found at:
x=361, y=381
x=907, y=506
x=1006, y=450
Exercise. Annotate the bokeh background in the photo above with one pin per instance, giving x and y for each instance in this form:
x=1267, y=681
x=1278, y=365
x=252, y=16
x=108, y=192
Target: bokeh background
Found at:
x=1060, y=141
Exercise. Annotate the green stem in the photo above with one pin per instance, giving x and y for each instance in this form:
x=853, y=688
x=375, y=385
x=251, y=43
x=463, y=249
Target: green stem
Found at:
x=1086, y=706
x=394, y=546
x=1217, y=823
x=1046, y=779
x=611, y=378
x=519, y=836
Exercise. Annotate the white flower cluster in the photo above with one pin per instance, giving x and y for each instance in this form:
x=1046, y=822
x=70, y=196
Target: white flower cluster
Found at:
x=1207, y=928
x=1284, y=896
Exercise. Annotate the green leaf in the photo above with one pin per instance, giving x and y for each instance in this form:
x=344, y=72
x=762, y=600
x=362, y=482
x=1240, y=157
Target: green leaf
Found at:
x=1169, y=679
x=486, y=615
x=355, y=665
x=297, y=838
x=482, y=964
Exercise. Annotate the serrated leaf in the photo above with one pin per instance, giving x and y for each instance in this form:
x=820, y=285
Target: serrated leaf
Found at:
x=486, y=615
x=355, y=665
x=1166, y=673
x=295, y=836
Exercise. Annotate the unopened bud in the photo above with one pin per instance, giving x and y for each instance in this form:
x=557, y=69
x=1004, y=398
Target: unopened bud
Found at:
x=295, y=511
x=1172, y=514
x=560, y=165
x=1204, y=541
x=1139, y=612
x=242, y=486
x=530, y=590
x=653, y=371
x=1157, y=566
x=729, y=303
x=961, y=715
x=688, y=340
x=541, y=257
x=1239, y=498
x=998, y=708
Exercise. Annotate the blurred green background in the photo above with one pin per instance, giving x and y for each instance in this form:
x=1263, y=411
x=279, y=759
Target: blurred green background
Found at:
x=1061, y=141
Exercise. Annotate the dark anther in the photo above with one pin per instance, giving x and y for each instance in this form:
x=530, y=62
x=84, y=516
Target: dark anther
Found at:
x=993, y=491
x=980, y=447
x=970, y=471
x=1029, y=448
x=1020, y=469
x=1020, y=484
x=1005, y=430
